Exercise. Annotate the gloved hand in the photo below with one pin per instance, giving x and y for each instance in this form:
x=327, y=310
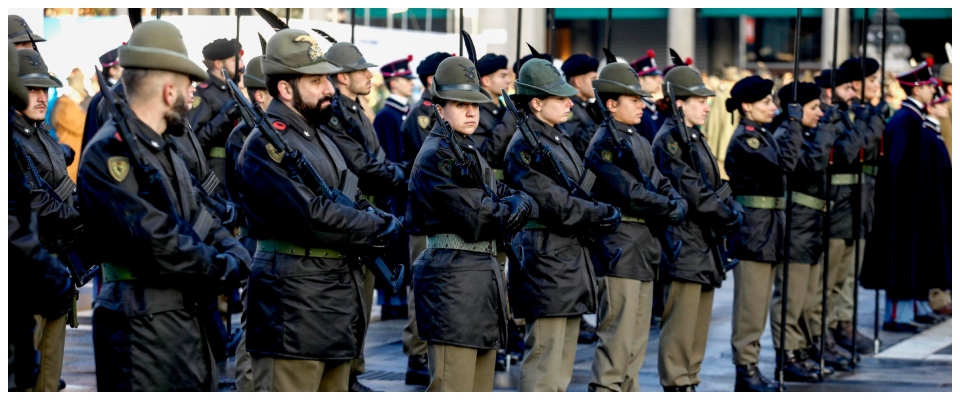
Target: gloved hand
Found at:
x=881, y=109
x=228, y=268
x=833, y=114
x=387, y=234
x=520, y=208
x=229, y=216
x=795, y=112
x=734, y=224
x=608, y=223
x=863, y=112
x=231, y=109
x=677, y=212
x=399, y=177
x=68, y=154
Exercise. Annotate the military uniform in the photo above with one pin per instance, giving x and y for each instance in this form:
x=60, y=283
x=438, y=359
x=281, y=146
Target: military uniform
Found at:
x=579, y=125
x=626, y=288
x=694, y=275
x=151, y=308
x=214, y=113
x=40, y=161
x=93, y=122
x=458, y=285
x=301, y=280
x=496, y=125
x=551, y=306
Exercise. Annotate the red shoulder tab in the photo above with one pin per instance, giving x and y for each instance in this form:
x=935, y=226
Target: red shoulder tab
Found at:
x=427, y=103
x=116, y=135
x=750, y=128
x=204, y=85
x=280, y=125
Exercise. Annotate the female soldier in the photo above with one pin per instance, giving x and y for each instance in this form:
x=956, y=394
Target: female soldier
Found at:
x=458, y=286
x=628, y=178
x=807, y=210
x=757, y=165
x=693, y=172
x=555, y=284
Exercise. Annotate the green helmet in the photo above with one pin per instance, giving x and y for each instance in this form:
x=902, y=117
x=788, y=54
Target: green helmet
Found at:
x=295, y=52
x=619, y=78
x=457, y=79
x=159, y=45
x=686, y=82
x=538, y=77
x=253, y=78
x=348, y=56
x=18, y=94
x=17, y=31
x=33, y=71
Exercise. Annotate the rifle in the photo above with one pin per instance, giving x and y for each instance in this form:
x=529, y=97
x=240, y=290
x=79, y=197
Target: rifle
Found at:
x=714, y=239
x=302, y=171
x=826, y=193
x=544, y=157
x=629, y=160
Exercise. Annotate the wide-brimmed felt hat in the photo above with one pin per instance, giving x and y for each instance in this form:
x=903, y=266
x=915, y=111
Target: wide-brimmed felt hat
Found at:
x=685, y=82
x=33, y=71
x=619, y=78
x=348, y=57
x=254, y=77
x=18, y=29
x=159, y=45
x=295, y=52
x=538, y=77
x=457, y=79
x=21, y=96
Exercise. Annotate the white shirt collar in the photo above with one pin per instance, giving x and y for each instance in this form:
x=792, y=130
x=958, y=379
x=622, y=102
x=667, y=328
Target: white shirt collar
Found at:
x=399, y=99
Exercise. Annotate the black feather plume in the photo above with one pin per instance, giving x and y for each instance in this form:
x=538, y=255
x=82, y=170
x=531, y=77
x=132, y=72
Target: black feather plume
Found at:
x=136, y=16
x=534, y=51
x=675, y=58
x=326, y=36
x=468, y=43
x=263, y=44
x=610, y=57
x=275, y=22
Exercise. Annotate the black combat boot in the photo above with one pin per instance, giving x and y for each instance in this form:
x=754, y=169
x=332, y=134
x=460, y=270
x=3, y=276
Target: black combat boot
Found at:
x=794, y=369
x=356, y=386
x=418, y=372
x=749, y=379
x=844, y=335
x=834, y=356
x=814, y=364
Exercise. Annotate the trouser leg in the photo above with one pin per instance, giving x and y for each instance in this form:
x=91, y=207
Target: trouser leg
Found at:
x=619, y=304
x=547, y=354
x=841, y=257
x=796, y=298
x=752, y=287
x=412, y=345
x=845, y=295
x=358, y=365
x=459, y=369
x=49, y=338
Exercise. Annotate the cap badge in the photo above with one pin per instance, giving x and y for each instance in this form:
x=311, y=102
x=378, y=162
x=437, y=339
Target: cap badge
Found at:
x=314, y=52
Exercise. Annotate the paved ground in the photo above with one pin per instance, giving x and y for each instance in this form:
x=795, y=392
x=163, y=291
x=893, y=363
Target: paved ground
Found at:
x=906, y=362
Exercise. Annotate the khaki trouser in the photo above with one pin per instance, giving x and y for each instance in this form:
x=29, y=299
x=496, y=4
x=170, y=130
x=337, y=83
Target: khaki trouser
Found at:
x=835, y=270
x=549, y=348
x=289, y=375
x=752, y=287
x=460, y=369
x=683, y=338
x=812, y=306
x=243, y=372
x=801, y=281
x=843, y=291
x=412, y=345
x=49, y=338
x=623, y=325
x=358, y=366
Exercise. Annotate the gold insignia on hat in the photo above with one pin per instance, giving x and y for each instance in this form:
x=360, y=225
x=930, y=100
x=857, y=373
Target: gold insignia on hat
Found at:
x=423, y=121
x=525, y=157
x=275, y=155
x=446, y=167
x=607, y=155
x=753, y=142
x=673, y=147
x=196, y=101
x=314, y=53
x=119, y=168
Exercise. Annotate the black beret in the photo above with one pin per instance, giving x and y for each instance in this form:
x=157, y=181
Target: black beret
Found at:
x=823, y=80
x=222, y=49
x=110, y=58
x=853, y=66
x=579, y=64
x=806, y=92
x=491, y=63
x=519, y=64
x=748, y=90
x=429, y=65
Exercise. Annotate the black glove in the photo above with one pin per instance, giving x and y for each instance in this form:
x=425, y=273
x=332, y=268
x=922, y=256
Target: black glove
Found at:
x=677, y=212
x=387, y=234
x=795, y=112
x=68, y=154
x=229, y=270
x=520, y=208
x=863, y=112
x=229, y=216
x=232, y=110
x=734, y=224
x=607, y=224
x=399, y=177
x=833, y=114
x=881, y=109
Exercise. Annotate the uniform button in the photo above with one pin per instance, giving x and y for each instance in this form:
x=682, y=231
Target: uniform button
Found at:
x=305, y=133
x=26, y=129
x=557, y=138
x=494, y=112
x=629, y=130
x=154, y=143
x=354, y=108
